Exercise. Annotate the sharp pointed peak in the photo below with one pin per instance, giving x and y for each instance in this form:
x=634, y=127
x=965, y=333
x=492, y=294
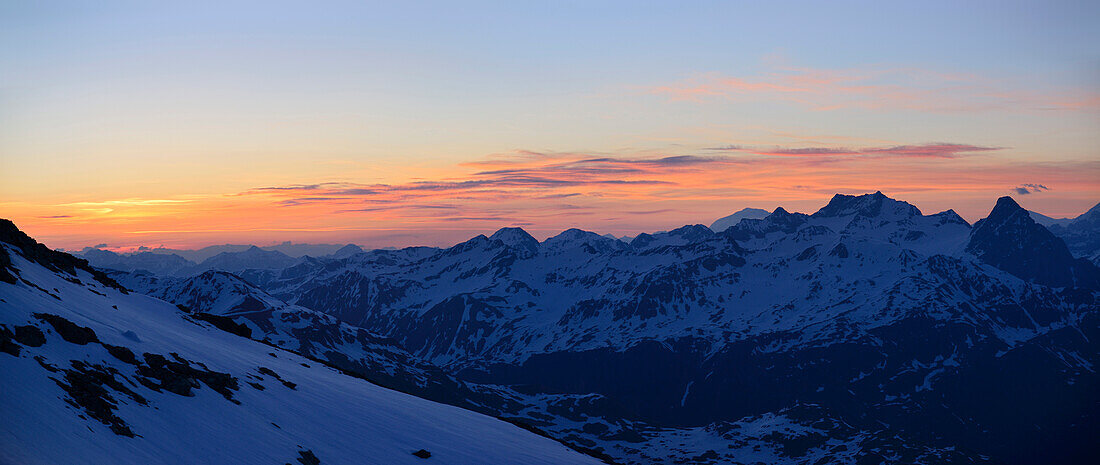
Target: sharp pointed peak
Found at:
x=1007, y=202
x=950, y=216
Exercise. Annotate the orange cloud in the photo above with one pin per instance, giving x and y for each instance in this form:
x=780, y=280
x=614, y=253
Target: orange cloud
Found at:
x=547, y=192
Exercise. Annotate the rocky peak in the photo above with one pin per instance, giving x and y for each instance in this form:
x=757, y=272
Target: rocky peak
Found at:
x=949, y=217
x=1009, y=239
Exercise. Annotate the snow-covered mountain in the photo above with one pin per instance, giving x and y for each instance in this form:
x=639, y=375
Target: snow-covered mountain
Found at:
x=1082, y=234
x=866, y=332
x=726, y=222
x=1048, y=221
x=91, y=373
x=584, y=421
x=346, y=251
x=868, y=309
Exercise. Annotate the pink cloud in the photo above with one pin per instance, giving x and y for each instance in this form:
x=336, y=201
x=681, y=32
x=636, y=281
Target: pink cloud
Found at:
x=617, y=193
x=935, y=150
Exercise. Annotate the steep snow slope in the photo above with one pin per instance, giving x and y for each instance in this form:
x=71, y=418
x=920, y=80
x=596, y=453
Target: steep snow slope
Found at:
x=92, y=374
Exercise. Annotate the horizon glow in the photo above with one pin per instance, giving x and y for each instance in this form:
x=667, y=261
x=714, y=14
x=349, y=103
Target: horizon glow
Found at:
x=137, y=124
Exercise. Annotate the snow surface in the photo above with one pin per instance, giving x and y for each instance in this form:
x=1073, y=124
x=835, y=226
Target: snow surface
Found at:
x=338, y=418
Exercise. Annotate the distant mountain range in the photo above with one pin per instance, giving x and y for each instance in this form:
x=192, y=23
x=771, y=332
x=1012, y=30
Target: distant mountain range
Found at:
x=172, y=264
x=865, y=332
x=1082, y=239
x=292, y=249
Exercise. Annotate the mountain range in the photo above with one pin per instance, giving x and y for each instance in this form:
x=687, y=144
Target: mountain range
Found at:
x=865, y=332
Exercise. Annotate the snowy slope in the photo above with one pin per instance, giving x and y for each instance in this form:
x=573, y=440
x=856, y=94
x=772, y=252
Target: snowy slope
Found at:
x=106, y=376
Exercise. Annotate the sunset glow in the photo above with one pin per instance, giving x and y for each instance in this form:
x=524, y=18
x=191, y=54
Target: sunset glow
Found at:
x=156, y=125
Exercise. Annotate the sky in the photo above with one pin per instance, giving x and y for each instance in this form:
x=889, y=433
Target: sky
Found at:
x=187, y=124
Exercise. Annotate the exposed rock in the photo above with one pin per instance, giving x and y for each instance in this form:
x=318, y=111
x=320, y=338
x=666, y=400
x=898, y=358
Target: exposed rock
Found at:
x=69, y=331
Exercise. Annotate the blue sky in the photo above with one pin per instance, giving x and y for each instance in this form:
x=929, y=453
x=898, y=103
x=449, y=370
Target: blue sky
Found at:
x=184, y=103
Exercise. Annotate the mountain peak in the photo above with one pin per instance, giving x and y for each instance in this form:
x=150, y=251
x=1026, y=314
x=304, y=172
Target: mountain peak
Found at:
x=1009, y=239
x=950, y=216
x=1007, y=202
x=1007, y=211
x=727, y=222
x=347, y=251
x=865, y=205
x=1093, y=215
x=572, y=234
x=511, y=235
x=683, y=235
x=587, y=240
x=516, y=237
x=692, y=231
